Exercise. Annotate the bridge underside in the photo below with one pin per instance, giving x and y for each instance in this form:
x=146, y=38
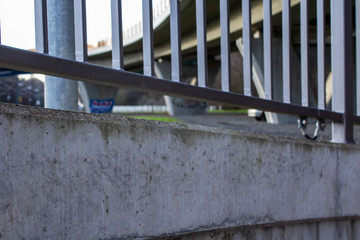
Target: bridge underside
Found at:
x=133, y=52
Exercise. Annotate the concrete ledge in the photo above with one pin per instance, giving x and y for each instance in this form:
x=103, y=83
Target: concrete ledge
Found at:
x=66, y=175
x=338, y=228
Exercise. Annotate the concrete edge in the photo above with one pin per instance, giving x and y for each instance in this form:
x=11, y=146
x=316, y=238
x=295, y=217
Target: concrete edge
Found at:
x=7, y=108
x=262, y=226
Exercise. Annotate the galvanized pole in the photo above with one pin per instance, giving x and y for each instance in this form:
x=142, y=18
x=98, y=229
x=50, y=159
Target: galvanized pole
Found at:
x=61, y=93
x=342, y=67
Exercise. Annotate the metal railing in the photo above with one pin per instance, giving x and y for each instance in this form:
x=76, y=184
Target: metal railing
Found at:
x=342, y=114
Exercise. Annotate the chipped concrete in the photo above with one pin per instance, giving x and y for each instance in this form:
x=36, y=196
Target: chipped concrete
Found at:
x=67, y=175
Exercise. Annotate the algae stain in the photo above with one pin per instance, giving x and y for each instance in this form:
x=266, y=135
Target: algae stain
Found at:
x=259, y=161
x=133, y=133
x=185, y=136
x=106, y=130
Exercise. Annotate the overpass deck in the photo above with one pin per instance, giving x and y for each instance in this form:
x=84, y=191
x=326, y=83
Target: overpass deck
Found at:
x=133, y=49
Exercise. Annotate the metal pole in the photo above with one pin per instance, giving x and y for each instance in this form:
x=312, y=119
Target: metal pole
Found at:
x=286, y=38
x=225, y=45
x=320, y=6
x=268, y=66
x=201, y=43
x=247, y=34
x=148, y=38
x=342, y=67
x=304, y=53
x=61, y=93
x=175, y=36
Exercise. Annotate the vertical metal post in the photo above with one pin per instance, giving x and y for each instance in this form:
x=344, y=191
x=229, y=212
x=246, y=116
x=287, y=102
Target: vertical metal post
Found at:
x=246, y=13
x=321, y=52
x=41, y=29
x=202, y=60
x=148, y=39
x=304, y=53
x=225, y=45
x=117, y=37
x=80, y=30
x=357, y=12
x=61, y=93
x=175, y=28
x=268, y=76
x=286, y=37
x=342, y=67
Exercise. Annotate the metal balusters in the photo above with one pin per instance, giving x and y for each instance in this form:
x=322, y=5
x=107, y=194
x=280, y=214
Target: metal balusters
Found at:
x=342, y=68
x=286, y=47
x=321, y=52
x=148, y=39
x=349, y=69
x=117, y=37
x=341, y=21
x=268, y=78
x=28, y=61
x=304, y=53
x=201, y=43
x=247, y=62
x=225, y=45
x=41, y=31
x=176, y=62
x=80, y=30
x=357, y=12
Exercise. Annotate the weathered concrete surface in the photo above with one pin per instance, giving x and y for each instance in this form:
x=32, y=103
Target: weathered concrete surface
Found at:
x=334, y=229
x=66, y=175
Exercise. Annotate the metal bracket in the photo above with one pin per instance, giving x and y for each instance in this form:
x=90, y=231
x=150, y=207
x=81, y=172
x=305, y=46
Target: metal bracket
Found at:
x=302, y=124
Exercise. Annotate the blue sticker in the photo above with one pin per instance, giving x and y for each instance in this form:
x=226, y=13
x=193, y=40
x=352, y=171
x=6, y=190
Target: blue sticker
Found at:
x=101, y=106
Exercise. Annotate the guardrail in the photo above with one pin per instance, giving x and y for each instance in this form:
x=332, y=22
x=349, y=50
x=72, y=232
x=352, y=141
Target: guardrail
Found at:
x=344, y=104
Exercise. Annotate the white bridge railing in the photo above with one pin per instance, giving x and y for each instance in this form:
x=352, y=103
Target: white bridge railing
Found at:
x=346, y=95
x=135, y=32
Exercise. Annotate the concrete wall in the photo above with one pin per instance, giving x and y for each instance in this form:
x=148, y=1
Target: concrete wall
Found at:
x=321, y=229
x=66, y=175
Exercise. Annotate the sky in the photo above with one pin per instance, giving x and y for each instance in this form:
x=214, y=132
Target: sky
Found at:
x=17, y=20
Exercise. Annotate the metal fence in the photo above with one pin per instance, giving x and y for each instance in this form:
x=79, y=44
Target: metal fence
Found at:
x=345, y=102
